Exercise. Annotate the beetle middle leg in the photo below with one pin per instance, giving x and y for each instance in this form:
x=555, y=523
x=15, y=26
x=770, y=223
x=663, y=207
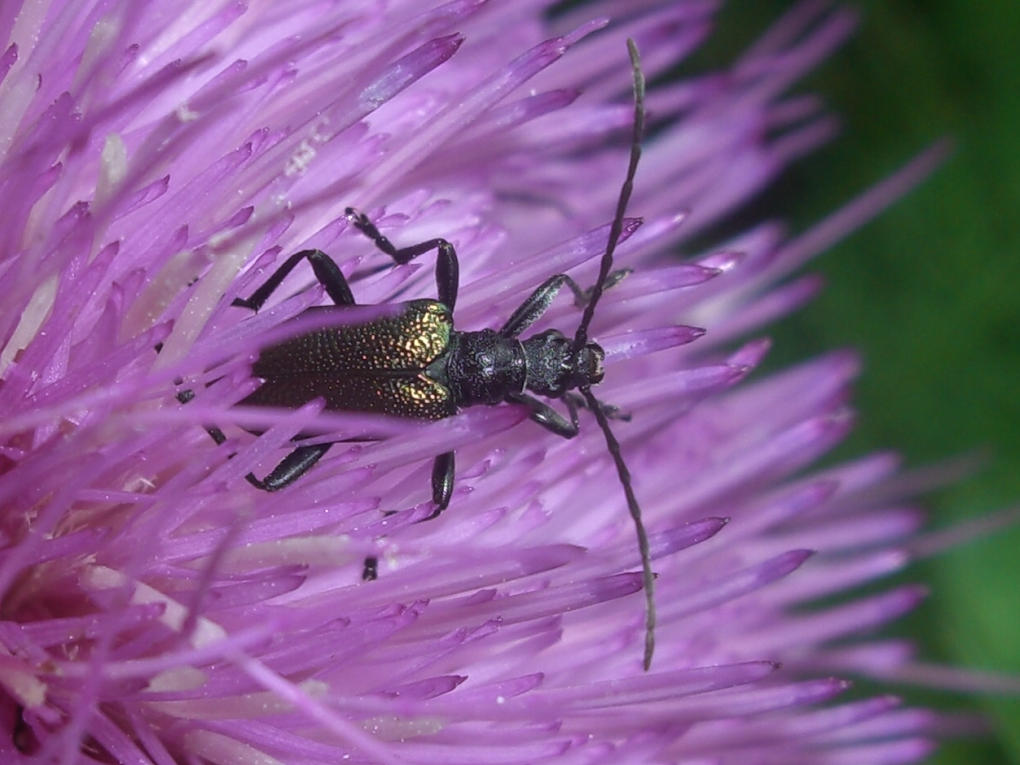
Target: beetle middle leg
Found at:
x=447, y=265
x=447, y=284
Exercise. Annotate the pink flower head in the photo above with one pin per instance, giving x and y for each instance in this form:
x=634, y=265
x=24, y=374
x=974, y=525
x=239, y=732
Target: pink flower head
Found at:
x=159, y=160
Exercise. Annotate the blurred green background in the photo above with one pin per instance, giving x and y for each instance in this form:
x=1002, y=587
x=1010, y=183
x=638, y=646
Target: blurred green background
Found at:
x=930, y=295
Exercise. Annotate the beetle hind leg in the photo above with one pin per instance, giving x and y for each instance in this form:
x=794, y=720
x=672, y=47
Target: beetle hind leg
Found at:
x=186, y=395
x=302, y=458
x=291, y=467
x=327, y=272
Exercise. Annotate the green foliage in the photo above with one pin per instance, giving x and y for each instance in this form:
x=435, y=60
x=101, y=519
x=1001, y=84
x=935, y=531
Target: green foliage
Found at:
x=929, y=294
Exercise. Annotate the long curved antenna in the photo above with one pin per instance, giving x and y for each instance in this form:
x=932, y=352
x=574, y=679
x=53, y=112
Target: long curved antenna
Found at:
x=581, y=336
x=648, y=578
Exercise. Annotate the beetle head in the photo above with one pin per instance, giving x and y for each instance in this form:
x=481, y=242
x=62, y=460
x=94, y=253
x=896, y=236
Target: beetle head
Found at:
x=555, y=368
x=587, y=369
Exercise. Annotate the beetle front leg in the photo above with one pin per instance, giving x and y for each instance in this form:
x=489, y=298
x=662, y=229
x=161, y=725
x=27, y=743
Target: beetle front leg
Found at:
x=538, y=302
x=581, y=297
x=327, y=272
x=610, y=411
x=447, y=265
x=548, y=417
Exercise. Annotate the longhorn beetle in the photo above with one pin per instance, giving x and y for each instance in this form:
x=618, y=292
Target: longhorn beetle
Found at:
x=415, y=364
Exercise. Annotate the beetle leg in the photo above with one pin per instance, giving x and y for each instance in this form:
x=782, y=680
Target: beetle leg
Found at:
x=447, y=265
x=548, y=417
x=329, y=275
x=610, y=411
x=581, y=297
x=538, y=302
x=291, y=467
x=184, y=396
x=326, y=271
x=22, y=735
x=443, y=469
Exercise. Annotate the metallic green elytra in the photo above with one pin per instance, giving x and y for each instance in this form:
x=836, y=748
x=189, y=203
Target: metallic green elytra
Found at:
x=379, y=366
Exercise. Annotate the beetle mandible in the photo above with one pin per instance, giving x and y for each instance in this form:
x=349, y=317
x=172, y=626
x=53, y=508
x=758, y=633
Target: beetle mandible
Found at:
x=414, y=364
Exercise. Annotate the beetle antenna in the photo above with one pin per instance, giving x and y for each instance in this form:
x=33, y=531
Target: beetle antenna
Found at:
x=648, y=578
x=581, y=337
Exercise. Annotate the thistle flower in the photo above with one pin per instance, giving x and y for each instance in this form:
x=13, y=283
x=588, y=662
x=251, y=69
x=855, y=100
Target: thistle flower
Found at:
x=157, y=163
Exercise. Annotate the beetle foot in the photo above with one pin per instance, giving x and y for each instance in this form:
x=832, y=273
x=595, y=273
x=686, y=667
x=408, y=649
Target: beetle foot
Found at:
x=611, y=281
